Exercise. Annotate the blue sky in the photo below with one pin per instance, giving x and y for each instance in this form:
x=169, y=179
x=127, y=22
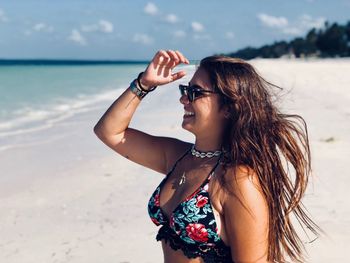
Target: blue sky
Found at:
x=135, y=29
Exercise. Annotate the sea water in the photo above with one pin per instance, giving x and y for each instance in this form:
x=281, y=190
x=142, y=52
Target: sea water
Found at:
x=37, y=97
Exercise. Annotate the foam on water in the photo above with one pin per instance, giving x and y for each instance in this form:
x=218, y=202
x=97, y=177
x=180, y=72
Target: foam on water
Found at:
x=20, y=125
x=34, y=99
x=28, y=118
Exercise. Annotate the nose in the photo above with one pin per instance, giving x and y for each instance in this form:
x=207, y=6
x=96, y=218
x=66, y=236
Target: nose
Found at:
x=184, y=100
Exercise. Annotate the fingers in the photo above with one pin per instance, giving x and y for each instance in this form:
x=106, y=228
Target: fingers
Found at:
x=177, y=57
x=175, y=60
x=161, y=58
x=159, y=71
x=169, y=58
x=178, y=75
x=182, y=58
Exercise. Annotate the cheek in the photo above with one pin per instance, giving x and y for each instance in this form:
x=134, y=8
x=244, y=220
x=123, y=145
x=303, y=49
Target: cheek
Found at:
x=202, y=110
x=208, y=114
x=207, y=110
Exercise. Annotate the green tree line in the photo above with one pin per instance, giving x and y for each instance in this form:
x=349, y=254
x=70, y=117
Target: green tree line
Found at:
x=332, y=40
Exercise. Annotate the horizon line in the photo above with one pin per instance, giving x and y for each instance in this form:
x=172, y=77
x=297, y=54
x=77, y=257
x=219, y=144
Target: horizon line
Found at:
x=54, y=61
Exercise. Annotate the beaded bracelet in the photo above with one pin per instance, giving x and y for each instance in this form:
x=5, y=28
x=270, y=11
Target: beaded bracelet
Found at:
x=140, y=86
x=137, y=89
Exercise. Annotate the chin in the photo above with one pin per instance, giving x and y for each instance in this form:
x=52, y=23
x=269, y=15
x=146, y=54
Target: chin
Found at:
x=188, y=127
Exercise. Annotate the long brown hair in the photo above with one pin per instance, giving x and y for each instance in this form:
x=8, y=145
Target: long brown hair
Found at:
x=267, y=141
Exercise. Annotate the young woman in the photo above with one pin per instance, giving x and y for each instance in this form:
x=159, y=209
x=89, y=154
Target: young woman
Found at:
x=229, y=196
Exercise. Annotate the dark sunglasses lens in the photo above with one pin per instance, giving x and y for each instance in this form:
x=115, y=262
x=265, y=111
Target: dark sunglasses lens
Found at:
x=192, y=92
x=197, y=93
x=182, y=89
x=187, y=91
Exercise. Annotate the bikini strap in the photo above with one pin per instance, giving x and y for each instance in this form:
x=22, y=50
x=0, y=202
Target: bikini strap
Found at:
x=178, y=160
x=213, y=170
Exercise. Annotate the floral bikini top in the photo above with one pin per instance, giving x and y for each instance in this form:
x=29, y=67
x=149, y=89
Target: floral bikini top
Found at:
x=192, y=226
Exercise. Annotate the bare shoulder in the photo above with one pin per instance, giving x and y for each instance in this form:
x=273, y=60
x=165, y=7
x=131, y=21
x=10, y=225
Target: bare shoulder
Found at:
x=242, y=178
x=243, y=186
x=246, y=215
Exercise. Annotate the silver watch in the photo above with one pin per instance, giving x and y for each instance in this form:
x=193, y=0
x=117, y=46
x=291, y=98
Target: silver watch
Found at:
x=136, y=90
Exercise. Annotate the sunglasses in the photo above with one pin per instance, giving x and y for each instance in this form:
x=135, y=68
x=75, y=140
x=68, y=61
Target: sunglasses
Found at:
x=193, y=92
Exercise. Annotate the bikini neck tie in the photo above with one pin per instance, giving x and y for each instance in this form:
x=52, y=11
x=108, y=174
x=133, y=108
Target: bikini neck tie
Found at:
x=202, y=155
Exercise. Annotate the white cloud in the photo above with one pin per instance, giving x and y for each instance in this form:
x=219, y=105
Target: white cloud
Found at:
x=273, y=21
x=106, y=26
x=102, y=26
x=78, y=38
x=151, y=9
x=3, y=17
x=197, y=27
x=42, y=27
x=171, y=18
x=143, y=39
x=308, y=22
x=230, y=35
x=179, y=34
x=298, y=27
x=39, y=27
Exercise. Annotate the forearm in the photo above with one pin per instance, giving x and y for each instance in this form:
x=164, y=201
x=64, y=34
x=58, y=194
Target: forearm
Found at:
x=118, y=116
x=159, y=72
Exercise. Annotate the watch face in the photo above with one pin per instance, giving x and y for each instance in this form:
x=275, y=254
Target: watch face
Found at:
x=138, y=92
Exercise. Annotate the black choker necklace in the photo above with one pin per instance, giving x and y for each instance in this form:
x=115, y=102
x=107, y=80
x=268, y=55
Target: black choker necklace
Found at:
x=202, y=155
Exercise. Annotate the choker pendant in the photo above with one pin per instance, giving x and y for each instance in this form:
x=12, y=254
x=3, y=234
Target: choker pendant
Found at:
x=182, y=179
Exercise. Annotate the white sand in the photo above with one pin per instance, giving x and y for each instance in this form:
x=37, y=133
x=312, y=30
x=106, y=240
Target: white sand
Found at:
x=71, y=199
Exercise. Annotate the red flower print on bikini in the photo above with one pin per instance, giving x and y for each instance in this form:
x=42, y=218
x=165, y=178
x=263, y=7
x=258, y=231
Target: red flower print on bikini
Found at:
x=197, y=232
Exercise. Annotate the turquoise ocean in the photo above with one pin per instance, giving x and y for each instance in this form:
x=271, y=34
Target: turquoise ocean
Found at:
x=36, y=97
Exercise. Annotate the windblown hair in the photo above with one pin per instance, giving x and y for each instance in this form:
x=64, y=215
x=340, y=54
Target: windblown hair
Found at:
x=268, y=142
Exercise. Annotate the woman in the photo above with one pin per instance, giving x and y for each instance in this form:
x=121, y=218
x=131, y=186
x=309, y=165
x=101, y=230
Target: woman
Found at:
x=229, y=196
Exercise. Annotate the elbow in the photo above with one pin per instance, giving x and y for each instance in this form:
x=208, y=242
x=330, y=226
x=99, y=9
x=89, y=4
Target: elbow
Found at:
x=107, y=138
x=98, y=131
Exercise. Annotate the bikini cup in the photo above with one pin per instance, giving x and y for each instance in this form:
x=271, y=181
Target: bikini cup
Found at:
x=193, y=214
x=192, y=226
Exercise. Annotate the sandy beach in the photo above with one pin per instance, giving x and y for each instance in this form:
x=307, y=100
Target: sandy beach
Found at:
x=69, y=198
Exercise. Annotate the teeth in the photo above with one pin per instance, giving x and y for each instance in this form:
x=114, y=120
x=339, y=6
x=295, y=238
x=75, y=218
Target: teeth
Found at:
x=188, y=113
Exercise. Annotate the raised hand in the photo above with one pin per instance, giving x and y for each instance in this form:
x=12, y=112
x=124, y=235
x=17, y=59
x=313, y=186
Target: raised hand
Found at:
x=160, y=69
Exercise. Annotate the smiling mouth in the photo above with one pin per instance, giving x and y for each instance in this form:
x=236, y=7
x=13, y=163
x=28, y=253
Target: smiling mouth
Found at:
x=188, y=114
